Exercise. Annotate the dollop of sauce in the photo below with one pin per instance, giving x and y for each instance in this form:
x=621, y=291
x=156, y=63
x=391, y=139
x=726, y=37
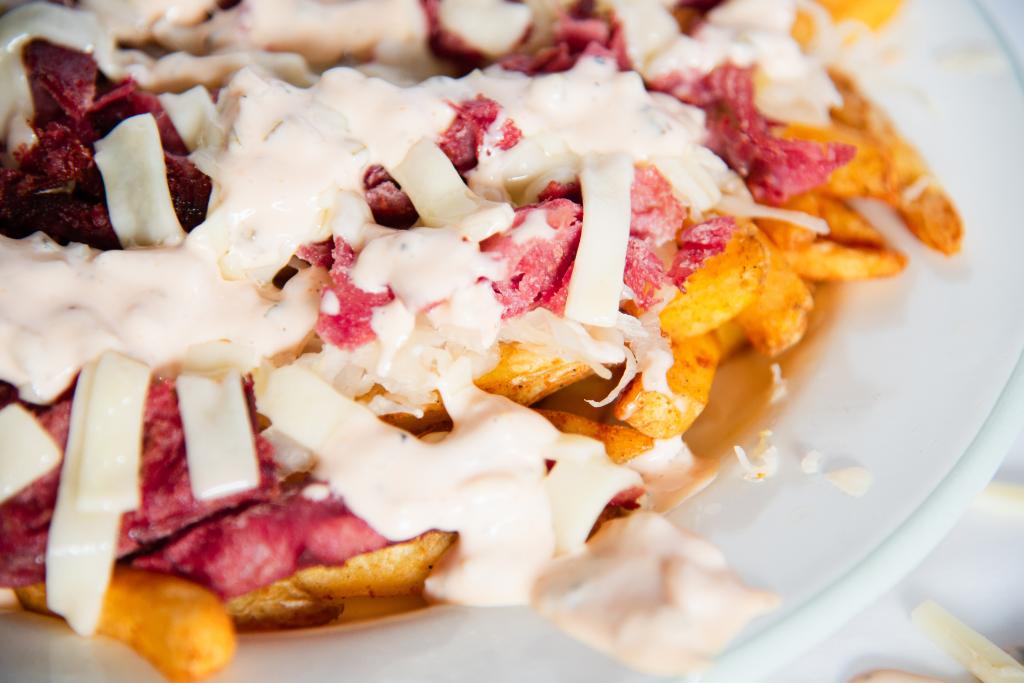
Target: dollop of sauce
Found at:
x=484, y=480
x=652, y=595
x=60, y=307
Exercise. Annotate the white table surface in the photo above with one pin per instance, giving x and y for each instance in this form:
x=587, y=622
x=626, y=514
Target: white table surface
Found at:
x=977, y=572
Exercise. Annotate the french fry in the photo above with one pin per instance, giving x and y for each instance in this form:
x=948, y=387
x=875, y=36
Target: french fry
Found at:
x=933, y=219
x=874, y=13
x=731, y=339
x=316, y=595
x=827, y=261
x=725, y=285
x=526, y=376
x=689, y=379
x=778, y=318
x=621, y=443
x=870, y=173
x=926, y=208
x=180, y=627
x=522, y=375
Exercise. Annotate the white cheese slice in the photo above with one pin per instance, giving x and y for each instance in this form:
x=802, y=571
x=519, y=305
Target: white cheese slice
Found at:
x=27, y=451
x=112, y=435
x=131, y=161
x=977, y=653
x=492, y=26
x=215, y=358
x=596, y=283
x=441, y=197
x=82, y=546
x=303, y=406
x=219, y=444
x=648, y=25
x=579, y=487
x=191, y=112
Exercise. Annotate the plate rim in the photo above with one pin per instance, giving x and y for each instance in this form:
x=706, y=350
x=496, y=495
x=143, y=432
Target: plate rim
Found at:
x=912, y=541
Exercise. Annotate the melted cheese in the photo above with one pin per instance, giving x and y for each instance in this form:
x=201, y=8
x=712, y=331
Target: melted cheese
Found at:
x=27, y=451
x=977, y=653
x=218, y=435
x=82, y=545
x=111, y=442
x=131, y=161
x=215, y=358
x=595, y=287
x=150, y=304
x=40, y=20
x=650, y=594
x=579, y=487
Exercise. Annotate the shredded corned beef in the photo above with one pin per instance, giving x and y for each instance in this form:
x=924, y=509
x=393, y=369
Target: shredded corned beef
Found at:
x=656, y=213
x=462, y=140
x=645, y=273
x=537, y=267
x=349, y=327
x=579, y=33
x=57, y=188
x=390, y=205
x=167, y=502
x=775, y=169
x=699, y=243
x=240, y=552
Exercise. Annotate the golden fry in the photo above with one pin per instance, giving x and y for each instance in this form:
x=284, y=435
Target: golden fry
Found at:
x=621, y=443
x=869, y=174
x=689, y=379
x=316, y=595
x=180, y=627
x=522, y=375
x=926, y=208
x=778, y=318
x=874, y=13
x=731, y=339
x=827, y=261
x=725, y=285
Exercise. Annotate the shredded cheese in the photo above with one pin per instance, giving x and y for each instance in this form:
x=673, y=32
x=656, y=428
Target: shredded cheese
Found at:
x=492, y=26
x=108, y=478
x=442, y=198
x=853, y=481
x=218, y=435
x=131, y=161
x=27, y=451
x=82, y=545
x=192, y=113
x=215, y=358
x=977, y=653
x=595, y=287
x=747, y=208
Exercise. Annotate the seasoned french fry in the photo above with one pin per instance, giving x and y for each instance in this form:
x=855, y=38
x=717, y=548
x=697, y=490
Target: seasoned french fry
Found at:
x=933, y=219
x=689, y=379
x=522, y=375
x=621, y=443
x=731, y=339
x=778, y=318
x=180, y=627
x=725, y=285
x=316, y=595
x=827, y=261
x=870, y=174
x=926, y=208
x=874, y=13
x=526, y=376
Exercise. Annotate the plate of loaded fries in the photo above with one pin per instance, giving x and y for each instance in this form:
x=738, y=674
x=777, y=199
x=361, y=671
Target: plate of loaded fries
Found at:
x=456, y=340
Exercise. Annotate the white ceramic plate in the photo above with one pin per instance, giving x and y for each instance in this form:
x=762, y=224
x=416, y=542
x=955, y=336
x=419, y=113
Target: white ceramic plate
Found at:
x=917, y=379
